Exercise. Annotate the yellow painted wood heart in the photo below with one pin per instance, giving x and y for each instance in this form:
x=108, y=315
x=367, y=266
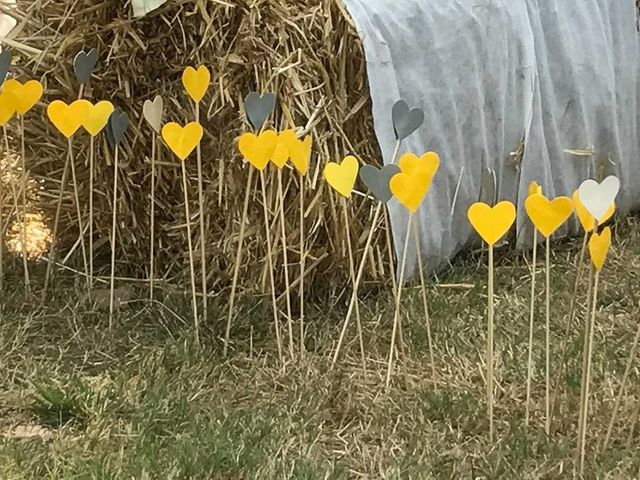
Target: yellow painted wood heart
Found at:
x=492, y=223
x=294, y=149
x=586, y=219
x=196, y=82
x=599, y=246
x=342, y=176
x=411, y=185
x=535, y=188
x=548, y=215
x=96, y=116
x=182, y=140
x=7, y=107
x=282, y=153
x=26, y=95
x=258, y=149
x=67, y=118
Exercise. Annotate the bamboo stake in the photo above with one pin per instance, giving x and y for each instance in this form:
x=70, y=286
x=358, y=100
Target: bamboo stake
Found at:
x=91, y=186
x=194, y=301
x=2, y=176
x=72, y=161
x=203, y=237
x=490, y=344
x=547, y=337
x=113, y=235
x=283, y=231
x=154, y=148
x=394, y=284
x=302, y=265
x=531, y=318
x=585, y=346
x=27, y=281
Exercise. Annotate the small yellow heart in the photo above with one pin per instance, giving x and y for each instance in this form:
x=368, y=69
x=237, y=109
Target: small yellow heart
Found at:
x=182, y=140
x=196, y=82
x=301, y=153
x=535, y=188
x=67, y=118
x=548, y=215
x=586, y=219
x=599, y=247
x=342, y=176
x=282, y=153
x=410, y=163
x=26, y=95
x=7, y=107
x=492, y=223
x=413, y=183
x=96, y=117
x=258, y=150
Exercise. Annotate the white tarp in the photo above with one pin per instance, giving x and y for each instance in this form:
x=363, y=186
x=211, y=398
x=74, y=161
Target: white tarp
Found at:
x=561, y=74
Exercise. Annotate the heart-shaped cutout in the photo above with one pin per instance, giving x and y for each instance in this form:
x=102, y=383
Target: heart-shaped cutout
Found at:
x=586, y=220
x=26, y=95
x=196, y=82
x=488, y=187
x=258, y=108
x=67, y=118
x=153, y=112
x=301, y=154
x=548, y=215
x=599, y=245
x=7, y=107
x=410, y=188
x=492, y=223
x=342, y=176
x=598, y=197
x=5, y=65
x=282, y=153
x=182, y=140
x=534, y=188
x=377, y=180
x=410, y=163
x=96, y=116
x=84, y=63
x=405, y=120
x=117, y=126
x=258, y=149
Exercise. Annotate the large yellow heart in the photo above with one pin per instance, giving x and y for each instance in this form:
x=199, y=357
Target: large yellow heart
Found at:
x=410, y=163
x=410, y=188
x=586, y=219
x=258, y=150
x=182, y=140
x=492, y=223
x=67, y=118
x=599, y=247
x=196, y=82
x=26, y=96
x=342, y=176
x=548, y=215
x=7, y=107
x=97, y=116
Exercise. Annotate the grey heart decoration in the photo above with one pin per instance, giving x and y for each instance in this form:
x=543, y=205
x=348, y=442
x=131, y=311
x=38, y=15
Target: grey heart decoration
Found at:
x=405, y=120
x=598, y=197
x=84, y=64
x=377, y=180
x=153, y=111
x=5, y=65
x=488, y=186
x=258, y=108
x=118, y=123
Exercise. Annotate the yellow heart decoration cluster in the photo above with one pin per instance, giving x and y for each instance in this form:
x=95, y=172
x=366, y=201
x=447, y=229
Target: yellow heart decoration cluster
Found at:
x=81, y=113
x=18, y=98
x=409, y=186
x=277, y=148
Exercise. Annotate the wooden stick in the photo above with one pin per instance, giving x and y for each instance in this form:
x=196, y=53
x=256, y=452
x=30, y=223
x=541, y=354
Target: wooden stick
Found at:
x=585, y=346
x=25, y=264
x=236, y=268
x=91, y=186
x=425, y=304
x=531, y=318
x=194, y=301
x=302, y=265
x=490, y=344
x=394, y=284
x=203, y=236
x=547, y=339
x=72, y=160
x=283, y=231
x=2, y=176
x=353, y=281
x=398, y=298
x=270, y=265
x=154, y=148
x=113, y=235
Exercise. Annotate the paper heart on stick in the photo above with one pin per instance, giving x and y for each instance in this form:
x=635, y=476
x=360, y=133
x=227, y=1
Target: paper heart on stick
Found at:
x=84, y=63
x=96, y=117
x=182, y=140
x=342, y=176
x=258, y=149
x=7, y=107
x=492, y=223
x=5, y=65
x=405, y=120
x=488, y=186
x=377, y=180
x=282, y=153
x=153, y=111
x=548, y=215
x=599, y=245
x=411, y=163
x=598, y=197
x=196, y=82
x=26, y=95
x=117, y=126
x=301, y=154
x=412, y=184
x=535, y=188
x=67, y=118
x=258, y=108
x=586, y=220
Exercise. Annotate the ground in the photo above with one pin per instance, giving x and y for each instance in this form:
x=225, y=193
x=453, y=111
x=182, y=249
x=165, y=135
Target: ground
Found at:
x=79, y=400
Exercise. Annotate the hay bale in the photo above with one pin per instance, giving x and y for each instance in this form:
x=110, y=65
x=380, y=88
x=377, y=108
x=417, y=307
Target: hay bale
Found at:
x=306, y=52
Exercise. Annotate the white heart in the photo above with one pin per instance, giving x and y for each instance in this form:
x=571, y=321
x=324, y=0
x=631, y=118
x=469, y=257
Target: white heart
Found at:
x=598, y=197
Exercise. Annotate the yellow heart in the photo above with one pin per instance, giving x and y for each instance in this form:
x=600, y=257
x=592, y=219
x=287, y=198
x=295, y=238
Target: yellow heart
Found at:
x=196, y=82
x=7, y=107
x=410, y=188
x=258, y=150
x=182, y=140
x=342, y=176
x=535, y=188
x=585, y=217
x=96, y=117
x=410, y=163
x=26, y=96
x=492, y=223
x=599, y=247
x=67, y=118
x=282, y=153
x=548, y=215
x=301, y=153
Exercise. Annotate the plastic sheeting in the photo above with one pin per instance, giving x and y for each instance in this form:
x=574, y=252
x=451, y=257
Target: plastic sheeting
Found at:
x=489, y=73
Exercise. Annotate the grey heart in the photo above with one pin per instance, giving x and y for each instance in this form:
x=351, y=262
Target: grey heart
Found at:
x=5, y=65
x=84, y=64
x=377, y=180
x=258, y=108
x=152, y=112
x=118, y=123
x=405, y=121
x=488, y=186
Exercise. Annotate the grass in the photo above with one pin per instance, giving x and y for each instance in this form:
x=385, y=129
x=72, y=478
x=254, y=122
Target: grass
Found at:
x=78, y=401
